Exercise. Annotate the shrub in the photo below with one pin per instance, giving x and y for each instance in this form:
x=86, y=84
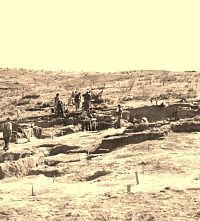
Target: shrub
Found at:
x=164, y=96
x=169, y=78
x=191, y=90
x=31, y=96
x=22, y=102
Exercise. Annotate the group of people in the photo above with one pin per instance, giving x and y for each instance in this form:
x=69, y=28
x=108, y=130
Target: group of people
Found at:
x=76, y=100
x=76, y=97
x=87, y=119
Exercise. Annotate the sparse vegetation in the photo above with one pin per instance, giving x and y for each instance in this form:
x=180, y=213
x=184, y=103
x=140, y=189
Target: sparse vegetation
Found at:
x=30, y=96
x=21, y=102
x=73, y=182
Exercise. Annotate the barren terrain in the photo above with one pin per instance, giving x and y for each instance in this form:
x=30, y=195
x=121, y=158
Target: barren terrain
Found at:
x=85, y=175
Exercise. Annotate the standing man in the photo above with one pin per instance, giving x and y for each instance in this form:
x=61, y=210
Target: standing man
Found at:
x=59, y=109
x=119, y=116
x=77, y=100
x=71, y=99
x=7, y=132
x=56, y=102
x=87, y=100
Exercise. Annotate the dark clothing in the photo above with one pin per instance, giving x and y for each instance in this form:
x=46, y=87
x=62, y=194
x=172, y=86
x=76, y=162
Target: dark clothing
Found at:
x=56, y=100
x=87, y=99
x=86, y=124
x=37, y=131
x=6, y=142
x=55, y=103
x=14, y=137
x=73, y=97
x=77, y=97
x=7, y=132
x=77, y=105
x=86, y=106
x=59, y=109
x=77, y=101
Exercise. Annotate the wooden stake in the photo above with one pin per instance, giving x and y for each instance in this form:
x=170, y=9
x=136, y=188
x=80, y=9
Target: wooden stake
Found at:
x=142, y=168
x=128, y=188
x=54, y=178
x=137, y=178
x=32, y=193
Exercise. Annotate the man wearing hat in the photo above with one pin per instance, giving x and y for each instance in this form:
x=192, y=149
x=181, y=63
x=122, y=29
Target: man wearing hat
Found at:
x=7, y=132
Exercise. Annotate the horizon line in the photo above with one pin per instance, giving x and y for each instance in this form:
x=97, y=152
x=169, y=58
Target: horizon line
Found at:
x=91, y=71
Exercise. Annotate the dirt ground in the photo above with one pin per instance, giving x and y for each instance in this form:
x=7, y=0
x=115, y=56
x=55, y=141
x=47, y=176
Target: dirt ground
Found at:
x=168, y=189
x=70, y=185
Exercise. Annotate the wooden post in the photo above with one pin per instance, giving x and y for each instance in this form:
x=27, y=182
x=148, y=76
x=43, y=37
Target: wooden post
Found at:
x=128, y=188
x=142, y=168
x=87, y=158
x=137, y=178
x=54, y=178
x=32, y=192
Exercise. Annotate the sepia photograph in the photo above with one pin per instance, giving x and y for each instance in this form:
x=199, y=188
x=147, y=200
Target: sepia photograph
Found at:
x=100, y=110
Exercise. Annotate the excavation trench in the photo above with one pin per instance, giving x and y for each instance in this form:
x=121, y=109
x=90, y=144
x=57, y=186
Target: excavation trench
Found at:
x=151, y=131
x=18, y=164
x=158, y=112
x=53, y=160
x=20, y=167
x=58, y=155
x=13, y=156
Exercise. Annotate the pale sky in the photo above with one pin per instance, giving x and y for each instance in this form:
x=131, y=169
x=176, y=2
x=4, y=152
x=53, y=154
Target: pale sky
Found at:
x=100, y=35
